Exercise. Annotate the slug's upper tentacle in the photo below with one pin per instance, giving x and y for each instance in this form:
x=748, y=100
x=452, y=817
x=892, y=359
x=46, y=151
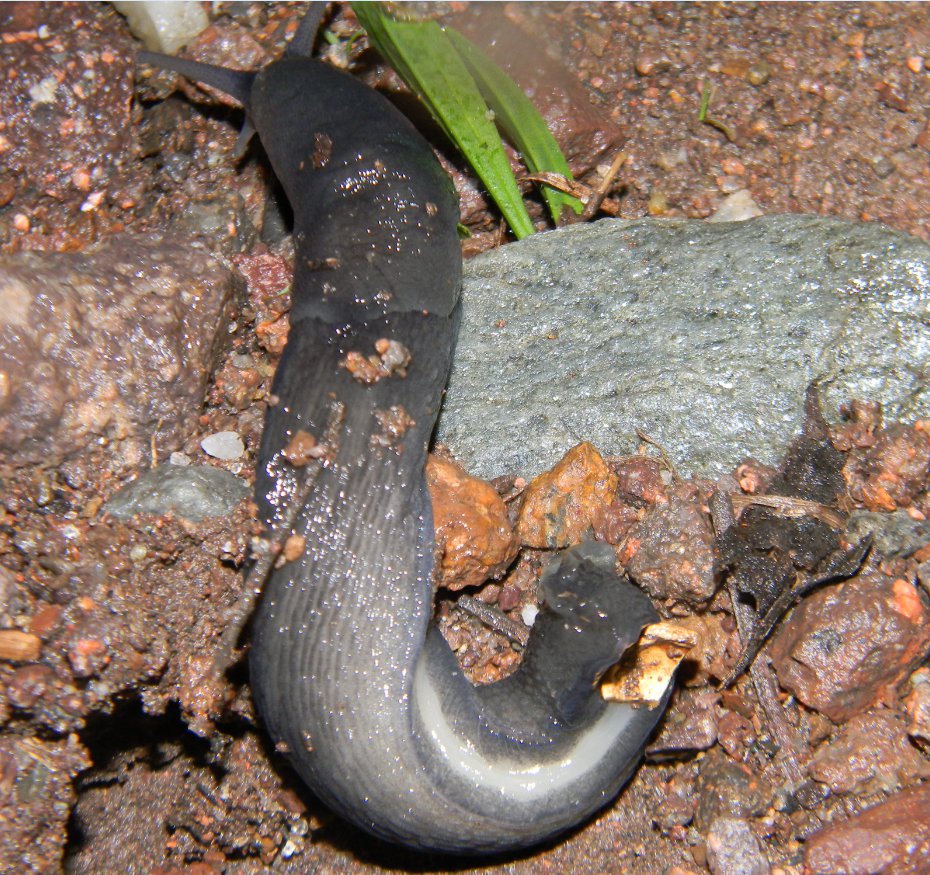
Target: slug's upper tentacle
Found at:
x=367, y=700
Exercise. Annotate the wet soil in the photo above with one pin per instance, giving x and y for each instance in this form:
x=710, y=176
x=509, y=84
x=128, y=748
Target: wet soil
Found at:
x=119, y=749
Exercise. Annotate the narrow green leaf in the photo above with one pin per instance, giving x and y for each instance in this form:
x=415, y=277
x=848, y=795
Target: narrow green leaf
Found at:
x=424, y=57
x=519, y=119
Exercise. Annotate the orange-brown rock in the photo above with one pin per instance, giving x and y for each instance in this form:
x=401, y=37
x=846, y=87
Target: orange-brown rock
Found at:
x=474, y=538
x=893, y=472
x=561, y=505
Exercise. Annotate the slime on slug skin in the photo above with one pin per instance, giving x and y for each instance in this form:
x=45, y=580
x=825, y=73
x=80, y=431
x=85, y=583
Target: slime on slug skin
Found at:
x=343, y=652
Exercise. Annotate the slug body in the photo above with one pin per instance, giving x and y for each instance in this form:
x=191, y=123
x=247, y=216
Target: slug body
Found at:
x=352, y=681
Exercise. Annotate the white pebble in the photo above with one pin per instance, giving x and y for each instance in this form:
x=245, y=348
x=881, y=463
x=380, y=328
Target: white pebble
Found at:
x=165, y=26
x=225, y=445
x=44, y=91
x=736, y=207
x=529, y=613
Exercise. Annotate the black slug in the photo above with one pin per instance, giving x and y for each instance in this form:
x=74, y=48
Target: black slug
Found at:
x=352, y=681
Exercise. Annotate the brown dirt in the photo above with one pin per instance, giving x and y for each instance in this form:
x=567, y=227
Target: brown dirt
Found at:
x=820, y=108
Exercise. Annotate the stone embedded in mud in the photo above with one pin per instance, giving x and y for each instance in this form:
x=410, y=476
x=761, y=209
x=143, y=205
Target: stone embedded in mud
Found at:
x=889, y=837
x=872, y=752
x=670, y=553
x=108, y=349
x=690, y=723
x=893, y=472
x=893, y=534
x=225, y=445
x=705, y=335
x=848, y=646
x=473, y=531
x=192, y=492
x=728, y=789
x=733, y=849
x=562, y=505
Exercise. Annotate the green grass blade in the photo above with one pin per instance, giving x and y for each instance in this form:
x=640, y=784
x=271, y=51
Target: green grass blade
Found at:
x=423, y=55
x=519, y=119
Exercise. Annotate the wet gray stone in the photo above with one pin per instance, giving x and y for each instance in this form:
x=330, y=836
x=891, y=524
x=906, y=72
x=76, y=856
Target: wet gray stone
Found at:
x=192, y=492
x=703, y=335
x=893, y=534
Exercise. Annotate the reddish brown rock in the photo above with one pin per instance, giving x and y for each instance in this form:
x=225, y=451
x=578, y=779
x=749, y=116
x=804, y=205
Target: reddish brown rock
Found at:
x=872, y=752
x=891, y=837
x=670, y=552
x=640, y=481
x=736, y=734
x=473, y=531
x=690, y=723
x=561, y=505
x=848, y=646
x=894, y=471
x=28, y=684
x=861, y=421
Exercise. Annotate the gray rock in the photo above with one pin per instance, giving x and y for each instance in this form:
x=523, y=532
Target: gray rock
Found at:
x=733, y=849
x=703, y=335
x=893, y=534
x=192, y=492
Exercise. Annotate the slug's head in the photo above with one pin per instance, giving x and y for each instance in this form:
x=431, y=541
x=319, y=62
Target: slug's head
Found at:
x=236, y=83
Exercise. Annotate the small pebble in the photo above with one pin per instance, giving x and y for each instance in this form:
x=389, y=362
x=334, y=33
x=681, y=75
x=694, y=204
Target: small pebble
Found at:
x=294, y=548
x=758, y=74
x=733, y=849
x=658, y=204
x=528, y=614
x=225, y=445
x=883, y=167
x=736, y=207
x=44, y=90
x=649, y=62
x=17, y=646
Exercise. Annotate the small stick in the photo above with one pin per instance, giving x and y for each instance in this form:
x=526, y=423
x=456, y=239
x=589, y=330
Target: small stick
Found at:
x=661, y=450
x=789, y=744
x=791, y=507
x=495, y=619
x=597, y=197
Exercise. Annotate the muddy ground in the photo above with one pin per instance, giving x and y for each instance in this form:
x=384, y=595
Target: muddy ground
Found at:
x=121, y=751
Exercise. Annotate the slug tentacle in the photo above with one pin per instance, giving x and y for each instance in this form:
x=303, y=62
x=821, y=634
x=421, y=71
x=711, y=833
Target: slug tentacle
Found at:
x=366, y=699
